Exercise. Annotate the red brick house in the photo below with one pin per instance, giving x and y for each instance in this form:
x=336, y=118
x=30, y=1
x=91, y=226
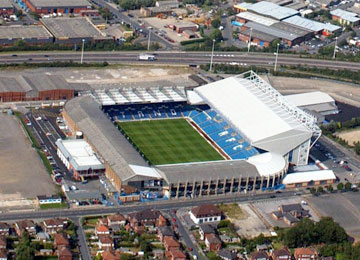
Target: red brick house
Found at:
x=164, y=232
x=170, y=243
x=106, y=242
x=176, y=254
x=108, y=255
x=149, y=218
x=260, y=255
x=60, y=240
x=4, y=229
x=25, y=225
x=3, y=254
x=305, y=254
x=3, y=242
x=213, y=243
x=281, y=254
x=64, y=253
x=53, y=225
x=102, y=230
x=205, y=214
x=116, y=219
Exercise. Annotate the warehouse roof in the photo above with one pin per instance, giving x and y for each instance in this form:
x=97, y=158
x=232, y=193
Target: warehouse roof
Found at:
x=309, y=98
x=5, y=4
x=76, y=27
x=80, y=154
x=60, y=3
x=243, y=5
x=110, y=144
x=24, y=32
x=272, y=10
x=291, y=29
x=310, y=24
x=300, y=177
x=256, y=18
x=259, y=35
x=345, y=15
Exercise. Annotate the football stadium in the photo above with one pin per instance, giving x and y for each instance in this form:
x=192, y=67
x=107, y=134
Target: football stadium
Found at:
x=235, y=135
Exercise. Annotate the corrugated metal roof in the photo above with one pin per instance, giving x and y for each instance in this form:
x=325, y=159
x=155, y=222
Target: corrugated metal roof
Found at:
x=278, y=33
x=345, y=15
x=272, y=10
x=256, y=18
x=305, y=23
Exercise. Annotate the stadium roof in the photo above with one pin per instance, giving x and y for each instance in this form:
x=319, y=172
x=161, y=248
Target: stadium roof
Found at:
x=80, y=154
x=300, y=177
x=72, y=27
x=259, y=112
x=309, y=98
x=268, y=163
x=310, y=24
x=256, y=18
x=99, y=131
x=345, y=15
x=272, y=10
x=60, y=3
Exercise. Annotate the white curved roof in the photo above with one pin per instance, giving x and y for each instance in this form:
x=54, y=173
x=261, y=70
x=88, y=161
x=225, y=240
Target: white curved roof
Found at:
x=268, y=163
x=309, y=98
x=300, y=177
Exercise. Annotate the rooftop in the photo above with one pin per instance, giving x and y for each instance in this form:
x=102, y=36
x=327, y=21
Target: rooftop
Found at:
x=5, y=4
x=259, y=35
x=76, y=27
x=300, y=177
x=24, y=32
x=80, y=154
x=256, y=18
x=206, y=210
x=310, y=24
x=291, y=29
x=60, y=3
x=272, y=10
x=273, y=31
x=345, y=15
x=309, y=98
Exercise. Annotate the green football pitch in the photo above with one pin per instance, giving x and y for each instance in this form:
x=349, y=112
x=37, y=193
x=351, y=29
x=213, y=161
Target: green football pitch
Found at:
x=169, y=141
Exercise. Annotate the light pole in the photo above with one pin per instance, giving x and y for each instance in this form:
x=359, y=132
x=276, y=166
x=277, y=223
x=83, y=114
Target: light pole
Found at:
x=250, y=40
x=149, y=38
x=212, y=55
x=82, y=51
x=334, y=55
x=277, y=54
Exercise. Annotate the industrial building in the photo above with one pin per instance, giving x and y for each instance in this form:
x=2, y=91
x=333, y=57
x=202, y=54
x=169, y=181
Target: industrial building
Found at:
x=317, y=101
x=155, y=11
x=345, y=17
x=315, y=26
x=29, y=87
x=79, y=158
x=6, y=8
x=31, y=34
x=258, y=38
x=68, y=30
x=270, y=134
x=309, y=178
x=271, y=10
x=181, y=27
x=168, y=3
x=57, y=6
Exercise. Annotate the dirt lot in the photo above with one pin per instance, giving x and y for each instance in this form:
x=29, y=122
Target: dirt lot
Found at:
x=344, y=208
x=22, y=174
x=351, y=136
x=265, y=208
x=344, y=92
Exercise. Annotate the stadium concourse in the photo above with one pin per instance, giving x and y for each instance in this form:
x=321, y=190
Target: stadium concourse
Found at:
x=254, y=130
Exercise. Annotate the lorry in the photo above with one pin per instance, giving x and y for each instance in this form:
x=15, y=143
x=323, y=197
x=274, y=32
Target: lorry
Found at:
x=148, y=57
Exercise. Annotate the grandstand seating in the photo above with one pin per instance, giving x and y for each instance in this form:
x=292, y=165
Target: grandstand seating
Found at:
x=229, y=140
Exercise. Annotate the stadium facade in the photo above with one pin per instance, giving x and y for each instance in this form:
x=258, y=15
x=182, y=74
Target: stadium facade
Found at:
x=255, y=129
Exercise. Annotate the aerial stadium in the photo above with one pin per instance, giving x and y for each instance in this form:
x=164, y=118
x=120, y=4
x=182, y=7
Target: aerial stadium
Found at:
x=236, y=135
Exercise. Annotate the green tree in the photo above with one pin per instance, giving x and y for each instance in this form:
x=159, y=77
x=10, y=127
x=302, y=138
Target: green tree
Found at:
x=216, y=22
x=24, y=251
x=217, y=35
x=340, y=186
x=106, y=13
x=312, y=190
x=348, y=186
x=320, y=189
x=224, y=223
x=330, y=188
x=19, y=13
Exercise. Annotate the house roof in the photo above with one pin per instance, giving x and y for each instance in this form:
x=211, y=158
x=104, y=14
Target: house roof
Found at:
x=61, y=239
x=4, y=225
x=116, y=217
x=107, y=255
x=304, y=251
x=171, y=242
x=206, y=210
x=145, y=214
x=259, y=255
x=212, y=239
x=281, y=252
x=3, y=253
x=227, y=254
x=53, y=222
x=24, y=224
x=166, y=231
x=176, y=253
x=3, y=241
x=207, y=229
x=105, y=239
x=102, y=228
x=64, y=251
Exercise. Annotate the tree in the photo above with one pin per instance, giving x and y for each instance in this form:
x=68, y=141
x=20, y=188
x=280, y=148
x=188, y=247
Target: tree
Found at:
x=348, y=186
x=24, y=251
x=19, y=13
x=216, y=22
x=217, y=35
x=105, y=13
x=320, y=189
x=312, y=190
x=224, y=223
x=340, y=186
x=330, y=188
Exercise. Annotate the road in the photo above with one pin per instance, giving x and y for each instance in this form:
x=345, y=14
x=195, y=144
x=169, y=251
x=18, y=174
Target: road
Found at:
x=84, y=249
x=178, y=58
x=124, y=209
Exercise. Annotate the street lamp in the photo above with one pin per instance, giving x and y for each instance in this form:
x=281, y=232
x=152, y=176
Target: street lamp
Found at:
x=149, y=38
x=277, y=54
x=334, y=55
x=82, y=51
x=212, y=54
x=250, y=40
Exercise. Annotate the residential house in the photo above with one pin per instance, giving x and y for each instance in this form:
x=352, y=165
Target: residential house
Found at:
x=213, y=243
x=116, y=220
x=106, y=242
x=227, y=255
x=176, y=254
x=25, y=225
x=4, y=229
x=291, y=213
x=3, y=242
x=54, y=225
x=64, y=253
x=170, y=242
x=43, y=236
x=158, y=253
x=205, y=230
x=3, y=254
x=165, y=231
x=305, y=254
x=144, y=217
x=260, y=255
x=102, y=230
x=108, y=255
x=205, y=214
x=61, y=240
x=46, y=252
x=281, y=254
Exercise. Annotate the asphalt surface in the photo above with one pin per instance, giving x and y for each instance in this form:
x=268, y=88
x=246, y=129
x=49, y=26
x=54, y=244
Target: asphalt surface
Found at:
x=84, y=249
x=178, y=58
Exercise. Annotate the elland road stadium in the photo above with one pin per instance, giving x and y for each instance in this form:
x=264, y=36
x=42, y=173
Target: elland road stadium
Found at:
x=235, y=135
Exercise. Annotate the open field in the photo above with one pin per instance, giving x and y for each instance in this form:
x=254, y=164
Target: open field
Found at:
x=22, y=173
x=351, y=136
x=169, y=141
x=232, y=211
